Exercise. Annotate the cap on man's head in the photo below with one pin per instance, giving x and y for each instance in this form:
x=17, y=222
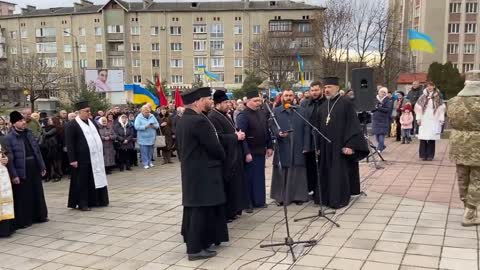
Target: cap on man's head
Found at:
x=331, y=81
x=252, y=94
x=195, y=94
x=81, y=105
x=15, y=117
x=219, y=96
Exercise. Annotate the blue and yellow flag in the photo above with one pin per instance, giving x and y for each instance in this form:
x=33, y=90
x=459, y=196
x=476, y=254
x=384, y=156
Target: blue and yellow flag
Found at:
x=142, y=95
x=210, y=75
x=420, y=41
x=301, y=68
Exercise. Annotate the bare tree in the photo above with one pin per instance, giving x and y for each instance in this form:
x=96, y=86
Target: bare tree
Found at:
x=37, y=76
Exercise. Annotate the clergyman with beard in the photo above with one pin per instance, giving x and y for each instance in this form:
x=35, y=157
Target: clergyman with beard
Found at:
x=232, y=142
x=203, y=196
x=289, y=182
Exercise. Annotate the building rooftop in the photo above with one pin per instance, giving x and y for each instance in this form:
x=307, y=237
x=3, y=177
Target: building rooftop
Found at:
x=409, y=78
x=150, y=6
x=8, y=3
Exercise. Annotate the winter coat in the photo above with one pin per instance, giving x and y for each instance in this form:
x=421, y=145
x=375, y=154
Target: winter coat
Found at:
x=52, y=144
x=108, y=149
x=146, y=136
x=406, y=120
x=381, y=116
x=17, y=166
x=34, y=126
x=397, y=107
x=122, y=134
x=431, y=113
x=167, y=130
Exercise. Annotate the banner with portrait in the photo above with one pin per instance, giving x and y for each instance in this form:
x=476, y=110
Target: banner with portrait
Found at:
x=105, y=80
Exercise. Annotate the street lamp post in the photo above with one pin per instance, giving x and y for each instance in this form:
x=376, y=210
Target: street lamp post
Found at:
x=76, y=63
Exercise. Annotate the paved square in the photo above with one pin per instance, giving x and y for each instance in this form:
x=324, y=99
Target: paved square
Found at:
x=409, y=220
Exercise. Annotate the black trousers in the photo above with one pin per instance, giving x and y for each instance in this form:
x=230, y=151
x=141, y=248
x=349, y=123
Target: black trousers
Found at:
x=311, y=171
x=133, y=156
x=427, y=149
x=399, y=129
x=124, y=159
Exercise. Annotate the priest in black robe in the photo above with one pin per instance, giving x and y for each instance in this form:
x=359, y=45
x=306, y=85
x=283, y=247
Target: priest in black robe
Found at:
x=203, y=195
x=88, y=185
x=338, y=164
x=233, y=166
x=26, y=169
x=289, y=182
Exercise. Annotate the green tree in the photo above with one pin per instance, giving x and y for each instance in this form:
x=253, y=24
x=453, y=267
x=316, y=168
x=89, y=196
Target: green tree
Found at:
x=96, y=100
x=251, y=82
x=446, y=78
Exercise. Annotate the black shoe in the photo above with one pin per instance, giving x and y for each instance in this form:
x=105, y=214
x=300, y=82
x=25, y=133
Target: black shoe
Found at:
x=279, y=203
x=202, y=255
x=108, y=172
x=129, y=168
x=249, y=210
x=299, y=203
x=264, y=206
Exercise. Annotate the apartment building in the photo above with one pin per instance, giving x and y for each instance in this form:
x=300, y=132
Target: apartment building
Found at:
x=6, y=8
x=146, y=39
x=453, y=26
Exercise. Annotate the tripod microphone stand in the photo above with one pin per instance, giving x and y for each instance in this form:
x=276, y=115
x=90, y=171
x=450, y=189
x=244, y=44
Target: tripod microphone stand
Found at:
x=321, y=212
x=288, y=242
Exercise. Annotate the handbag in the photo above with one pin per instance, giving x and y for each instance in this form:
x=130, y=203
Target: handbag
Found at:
x=393, y=129
x=160, y=141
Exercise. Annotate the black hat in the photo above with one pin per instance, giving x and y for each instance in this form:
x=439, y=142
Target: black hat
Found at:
x=330, y=81
x=401, y=92
x=195, y=94
x=252, y=94
x=219, y=96
x=81, y=105
x=15, y=117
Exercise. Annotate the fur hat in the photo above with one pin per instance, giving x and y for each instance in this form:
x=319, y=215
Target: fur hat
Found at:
x=15, y=117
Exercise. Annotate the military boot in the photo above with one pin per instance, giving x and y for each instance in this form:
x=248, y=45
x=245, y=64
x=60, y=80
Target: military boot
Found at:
x=470, y=217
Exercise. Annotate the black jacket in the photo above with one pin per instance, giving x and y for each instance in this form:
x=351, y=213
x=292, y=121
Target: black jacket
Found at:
x=201, y=156
x=312, y=109
x=255, y=126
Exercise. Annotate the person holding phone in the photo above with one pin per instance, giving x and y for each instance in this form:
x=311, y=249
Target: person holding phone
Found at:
x=146, y=125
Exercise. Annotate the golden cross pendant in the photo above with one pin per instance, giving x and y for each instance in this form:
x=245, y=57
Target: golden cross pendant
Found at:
x=328, y=120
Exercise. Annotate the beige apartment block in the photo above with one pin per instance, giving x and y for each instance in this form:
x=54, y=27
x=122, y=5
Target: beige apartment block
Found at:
x=149, y=38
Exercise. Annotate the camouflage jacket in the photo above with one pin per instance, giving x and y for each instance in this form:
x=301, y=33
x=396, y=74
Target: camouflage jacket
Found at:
x=464, y=117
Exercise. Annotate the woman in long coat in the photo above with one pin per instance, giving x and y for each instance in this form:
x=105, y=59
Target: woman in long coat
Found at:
x=108, y=137
x=124, y=141
x=53, y=145
x=430, y=115
x=167, y=130
x=381, y=118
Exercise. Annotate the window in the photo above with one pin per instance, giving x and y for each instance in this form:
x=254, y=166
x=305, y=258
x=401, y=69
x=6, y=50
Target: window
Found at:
x=45, y=32
x=217, y=31
x=238, y=62
x=112, y=29
x=305, y=42
x=416, y=12
x=136, y=47
x=135, y=30
x=116, y=62
x=83, y=63
x=136, y=63
x=470, y=28
x=455, y=7
x=304, y=28
x=13, y=34
x=277, y=17
x=256, y=29
x=99, y=47
x=83, y=48
x=99, y=63
x=217, y=62
x=13, y=50
x=238, y=18
x=23, y=34
x=176, y=46
x=67, y=63
x=471, y=7
x=177, y=79
x=67, y=48
x=98, y=31
x=453, y=28
x=308, y=75
x=137, y=78
x=51, y=61
x=280, y=26
x=155, y=62
x=216, y=45
x=469, y=48
x=175, y=30
x=199, y=61
x=238, y=29
x=81, y=31
x=155, y=47
x=238, y=79
x=175, y=19
x=176, y=63
x=47, y=47
x=199, y=29
x=199, y=45
x=467, y=67
x=25, y=50
x=306, y=17
x=154, y=30
x=452, y=48
x=238, y=46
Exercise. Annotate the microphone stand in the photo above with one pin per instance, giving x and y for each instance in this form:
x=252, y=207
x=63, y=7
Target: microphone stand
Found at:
x=321, y=212
x=288, y=239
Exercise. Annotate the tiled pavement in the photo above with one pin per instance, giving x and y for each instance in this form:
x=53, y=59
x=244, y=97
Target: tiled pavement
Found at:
x=409, y=220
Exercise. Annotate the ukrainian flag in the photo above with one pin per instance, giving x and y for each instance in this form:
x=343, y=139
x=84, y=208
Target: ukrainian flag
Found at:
x=210, y=75
x=420, y=41
x=142, y=95
x=301, y=68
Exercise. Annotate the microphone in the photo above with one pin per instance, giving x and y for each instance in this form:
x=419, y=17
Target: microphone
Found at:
x=288, y=106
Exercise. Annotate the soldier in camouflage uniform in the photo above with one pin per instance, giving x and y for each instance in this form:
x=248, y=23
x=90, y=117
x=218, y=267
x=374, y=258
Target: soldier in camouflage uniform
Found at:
x=464, y=116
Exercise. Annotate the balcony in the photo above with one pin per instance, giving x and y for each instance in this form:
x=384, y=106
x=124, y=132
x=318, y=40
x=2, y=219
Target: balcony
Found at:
x=200, y=53
x=200, y=36
x=216, y=52
x=116, y=53
x=115, y=37
x=46, y=39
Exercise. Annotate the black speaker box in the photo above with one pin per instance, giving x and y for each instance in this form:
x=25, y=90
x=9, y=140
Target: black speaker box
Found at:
x=364, y=89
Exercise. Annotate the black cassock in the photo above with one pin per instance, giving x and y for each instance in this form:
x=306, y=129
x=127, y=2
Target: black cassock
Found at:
x=339, y=176
x=82, y=191
x=203, y=194
x=233, y=167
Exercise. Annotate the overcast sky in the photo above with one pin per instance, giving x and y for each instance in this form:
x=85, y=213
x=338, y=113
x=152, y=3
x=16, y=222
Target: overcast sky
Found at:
x=67, y=3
